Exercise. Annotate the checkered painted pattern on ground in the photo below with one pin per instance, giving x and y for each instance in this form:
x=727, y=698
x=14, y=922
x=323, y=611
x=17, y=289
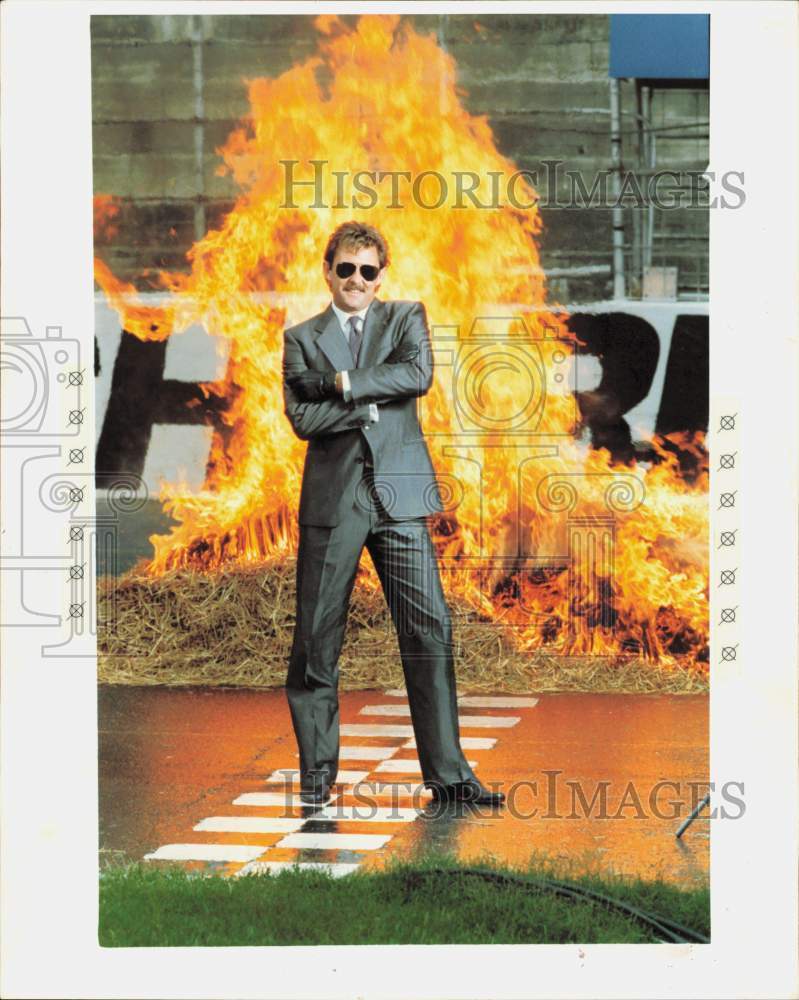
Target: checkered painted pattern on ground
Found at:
x=279, y=831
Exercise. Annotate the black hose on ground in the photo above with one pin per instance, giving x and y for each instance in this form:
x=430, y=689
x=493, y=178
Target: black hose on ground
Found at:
x=663, y=927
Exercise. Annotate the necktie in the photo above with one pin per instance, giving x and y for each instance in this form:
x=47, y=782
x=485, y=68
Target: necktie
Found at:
x=356, y=336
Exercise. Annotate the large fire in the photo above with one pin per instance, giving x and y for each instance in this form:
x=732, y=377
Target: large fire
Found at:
x=578, y=554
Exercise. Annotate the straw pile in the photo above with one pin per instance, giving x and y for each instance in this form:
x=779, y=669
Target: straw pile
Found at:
x=233, y=627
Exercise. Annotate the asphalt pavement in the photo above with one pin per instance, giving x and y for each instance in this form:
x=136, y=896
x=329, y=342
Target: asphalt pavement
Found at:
x=207, y=777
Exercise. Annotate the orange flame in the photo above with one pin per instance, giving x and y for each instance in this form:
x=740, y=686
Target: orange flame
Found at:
x=383, y=98
x=106, y=213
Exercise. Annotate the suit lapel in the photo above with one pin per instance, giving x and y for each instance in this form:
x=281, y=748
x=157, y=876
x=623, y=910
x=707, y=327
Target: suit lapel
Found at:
x=332, y=341
x=376, y=319
x=334, y=344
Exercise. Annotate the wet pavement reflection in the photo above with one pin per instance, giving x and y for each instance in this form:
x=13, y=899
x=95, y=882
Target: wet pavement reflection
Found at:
x=598, y=781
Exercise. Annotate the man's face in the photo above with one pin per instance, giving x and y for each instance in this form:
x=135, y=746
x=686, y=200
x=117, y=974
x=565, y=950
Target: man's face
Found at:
x=355, y=292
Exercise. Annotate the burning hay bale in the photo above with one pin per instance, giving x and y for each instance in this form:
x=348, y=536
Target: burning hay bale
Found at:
x=234, y=627
x=609, y=555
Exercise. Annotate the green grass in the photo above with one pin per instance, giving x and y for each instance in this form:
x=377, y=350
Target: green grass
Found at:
x=407, y=903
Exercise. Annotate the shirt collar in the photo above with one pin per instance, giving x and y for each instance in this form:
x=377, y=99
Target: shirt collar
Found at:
x=345, y=317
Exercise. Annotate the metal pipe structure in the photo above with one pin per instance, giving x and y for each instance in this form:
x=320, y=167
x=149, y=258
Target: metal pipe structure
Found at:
x=197, y=40
x=618, y=212
x=649, y=147
x=639, y=219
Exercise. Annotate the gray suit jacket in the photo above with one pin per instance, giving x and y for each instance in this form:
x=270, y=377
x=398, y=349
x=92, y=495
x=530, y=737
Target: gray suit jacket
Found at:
x=395, y=368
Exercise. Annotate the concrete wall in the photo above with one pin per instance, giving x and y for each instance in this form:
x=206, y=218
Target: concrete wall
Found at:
x=541, y=80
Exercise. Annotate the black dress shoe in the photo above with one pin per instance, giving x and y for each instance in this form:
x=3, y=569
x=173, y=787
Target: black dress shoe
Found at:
x=467, y=791
x=315, y=787
x=315, y=796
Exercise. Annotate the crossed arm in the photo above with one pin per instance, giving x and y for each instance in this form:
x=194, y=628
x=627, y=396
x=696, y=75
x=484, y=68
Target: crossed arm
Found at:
x=408, y=371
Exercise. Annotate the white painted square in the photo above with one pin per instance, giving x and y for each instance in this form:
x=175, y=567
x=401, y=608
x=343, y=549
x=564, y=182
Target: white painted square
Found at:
x=336, y=841
x=291, y=776
x=395, y=791
x=366, y=729
x=365, y=813
x=405, y=765
x=336, y=869
x=206, y=852
x=366, y=753
x=250, y=824
x=481, y=701
x=385, y=710
x=287, y=799
x=467, y=743
x=467, y=720
x=488, y=721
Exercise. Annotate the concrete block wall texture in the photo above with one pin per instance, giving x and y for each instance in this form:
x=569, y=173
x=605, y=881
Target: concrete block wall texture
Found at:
x=541, y=80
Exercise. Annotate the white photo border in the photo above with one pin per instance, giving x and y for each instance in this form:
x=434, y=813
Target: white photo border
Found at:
x=49, y=740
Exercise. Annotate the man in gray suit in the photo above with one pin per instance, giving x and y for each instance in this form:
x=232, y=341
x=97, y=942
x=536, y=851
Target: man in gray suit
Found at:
x=351, y=378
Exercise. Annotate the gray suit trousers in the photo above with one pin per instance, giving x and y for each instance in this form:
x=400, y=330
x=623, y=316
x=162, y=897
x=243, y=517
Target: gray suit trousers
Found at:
x=405, y=560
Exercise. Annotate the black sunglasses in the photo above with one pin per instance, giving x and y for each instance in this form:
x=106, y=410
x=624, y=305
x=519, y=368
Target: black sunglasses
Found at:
x=346, y=269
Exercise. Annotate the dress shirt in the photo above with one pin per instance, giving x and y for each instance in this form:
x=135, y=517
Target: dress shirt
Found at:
x=344, y=319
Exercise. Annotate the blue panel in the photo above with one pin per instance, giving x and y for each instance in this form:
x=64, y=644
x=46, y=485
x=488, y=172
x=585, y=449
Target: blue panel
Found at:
x=660, y=46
